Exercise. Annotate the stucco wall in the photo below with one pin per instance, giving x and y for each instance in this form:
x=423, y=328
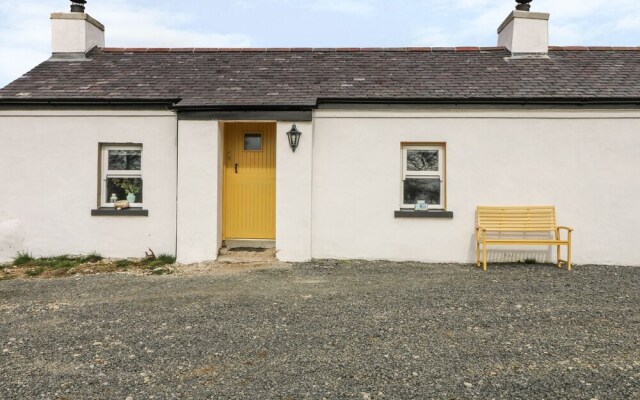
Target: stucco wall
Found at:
x=49, y=183
x=583, y=162
x=336, y=195
x=199, y=185
x=293, y=194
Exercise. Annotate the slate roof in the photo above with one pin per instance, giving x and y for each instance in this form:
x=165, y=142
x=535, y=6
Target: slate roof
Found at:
x=299, y=78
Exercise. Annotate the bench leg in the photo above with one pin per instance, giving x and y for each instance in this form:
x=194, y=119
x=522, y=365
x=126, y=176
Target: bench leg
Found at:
x=569, y=254
x=477, y=253
x=484, y=253
x=558, y=258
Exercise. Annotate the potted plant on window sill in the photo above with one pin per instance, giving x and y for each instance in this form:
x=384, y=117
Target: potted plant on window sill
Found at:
x=131, y=186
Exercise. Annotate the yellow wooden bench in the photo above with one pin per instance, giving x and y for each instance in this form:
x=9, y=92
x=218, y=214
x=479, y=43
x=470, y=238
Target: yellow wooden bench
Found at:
x=519, y=226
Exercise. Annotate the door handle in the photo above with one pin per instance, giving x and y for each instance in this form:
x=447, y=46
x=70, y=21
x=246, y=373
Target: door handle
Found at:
x=236, y=168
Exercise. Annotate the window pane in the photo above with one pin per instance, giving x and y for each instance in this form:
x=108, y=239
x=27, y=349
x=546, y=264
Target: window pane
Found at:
x=422, y=160
x=123, y=186
x=427, y=189
x=125, y=160
x=252, y=141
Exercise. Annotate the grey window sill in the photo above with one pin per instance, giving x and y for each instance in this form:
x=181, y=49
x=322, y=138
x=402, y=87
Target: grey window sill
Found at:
x=112, y=212
x=424, y=214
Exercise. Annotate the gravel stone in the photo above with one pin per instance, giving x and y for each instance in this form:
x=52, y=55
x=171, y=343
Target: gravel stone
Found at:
x=326, y=330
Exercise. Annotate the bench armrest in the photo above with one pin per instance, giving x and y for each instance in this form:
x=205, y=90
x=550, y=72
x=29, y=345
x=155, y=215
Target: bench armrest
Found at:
x=565, y=228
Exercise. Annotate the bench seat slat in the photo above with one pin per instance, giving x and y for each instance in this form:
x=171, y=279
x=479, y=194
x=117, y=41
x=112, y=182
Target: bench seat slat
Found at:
x=516, y=223
x=520, y=212
x=521, y=230
x=515, y=207
x=517, y=218
x=526, y=241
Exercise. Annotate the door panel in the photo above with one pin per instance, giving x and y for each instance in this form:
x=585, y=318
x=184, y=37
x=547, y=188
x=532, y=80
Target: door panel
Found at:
x=249, y=203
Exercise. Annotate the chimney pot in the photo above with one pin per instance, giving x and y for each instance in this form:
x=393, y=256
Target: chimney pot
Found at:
x=523, y=5
x=77, y=6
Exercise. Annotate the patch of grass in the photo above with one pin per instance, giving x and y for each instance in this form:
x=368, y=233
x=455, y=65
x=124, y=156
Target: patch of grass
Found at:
x=160, y=261
x=123, y=263
x=34, y=271
x=23, y=258
x=92, y=258
x=155, y=264
x=65, y=264
x=530, y=261
x=167, y=259
x=58, y=263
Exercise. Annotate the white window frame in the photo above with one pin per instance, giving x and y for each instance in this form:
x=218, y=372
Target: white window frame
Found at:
x=440, y=173
x=106, y=173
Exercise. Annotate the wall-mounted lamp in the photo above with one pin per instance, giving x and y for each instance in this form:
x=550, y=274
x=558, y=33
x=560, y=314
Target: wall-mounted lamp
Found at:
x=294, y=137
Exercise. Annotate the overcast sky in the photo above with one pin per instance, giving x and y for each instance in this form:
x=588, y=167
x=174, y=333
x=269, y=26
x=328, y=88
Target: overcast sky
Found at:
x=25, y=32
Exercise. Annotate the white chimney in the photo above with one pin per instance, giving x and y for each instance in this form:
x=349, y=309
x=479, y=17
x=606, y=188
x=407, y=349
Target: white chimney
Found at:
x=525, y=32
x=75, y=32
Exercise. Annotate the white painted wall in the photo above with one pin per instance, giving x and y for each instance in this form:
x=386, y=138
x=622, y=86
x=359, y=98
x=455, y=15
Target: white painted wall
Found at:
x=336, y=195
x=49, y=183
x=199, y=181
x=583, y=162
x=75, y=33
x=293, y=193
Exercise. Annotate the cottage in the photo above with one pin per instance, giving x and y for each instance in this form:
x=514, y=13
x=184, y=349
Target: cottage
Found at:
x=324, y=152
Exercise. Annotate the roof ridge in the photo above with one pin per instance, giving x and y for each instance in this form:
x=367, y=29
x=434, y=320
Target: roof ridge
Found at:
x=458, y=49
x=294, y=49
x=593, y=48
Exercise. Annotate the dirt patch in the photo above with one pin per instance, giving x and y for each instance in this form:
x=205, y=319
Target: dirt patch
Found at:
x=235, y=262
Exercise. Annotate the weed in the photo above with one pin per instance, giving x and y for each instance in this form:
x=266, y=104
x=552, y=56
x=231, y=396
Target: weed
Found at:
x=155, y=264
x=123, y=263
x=167, y=259
x=161, y=260
x=35, y=271
x=530, y=261
x=23, y=258
x=92, y=258
x=65, y=264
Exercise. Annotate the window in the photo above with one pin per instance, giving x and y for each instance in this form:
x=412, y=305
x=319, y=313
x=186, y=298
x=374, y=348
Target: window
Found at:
x=252, y=141
x=121, y=175
x=423, y=175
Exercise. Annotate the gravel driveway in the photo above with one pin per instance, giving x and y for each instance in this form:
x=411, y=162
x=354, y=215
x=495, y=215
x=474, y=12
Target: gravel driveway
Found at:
x=327, y=329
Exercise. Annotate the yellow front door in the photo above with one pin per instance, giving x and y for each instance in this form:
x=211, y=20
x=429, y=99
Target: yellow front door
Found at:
x=249, y=203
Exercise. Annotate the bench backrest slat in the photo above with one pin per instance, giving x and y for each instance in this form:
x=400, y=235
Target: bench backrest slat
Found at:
x=516, y=219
